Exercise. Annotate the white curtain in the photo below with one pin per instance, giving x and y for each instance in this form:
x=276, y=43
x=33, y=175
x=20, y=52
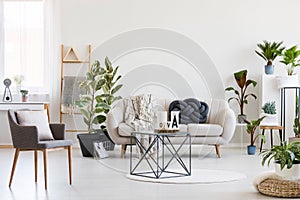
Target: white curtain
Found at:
x=23, y=30
x=1, y=39
x=52, y=54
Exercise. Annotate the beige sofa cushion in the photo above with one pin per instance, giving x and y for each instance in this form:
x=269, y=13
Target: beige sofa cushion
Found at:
x=209, y=130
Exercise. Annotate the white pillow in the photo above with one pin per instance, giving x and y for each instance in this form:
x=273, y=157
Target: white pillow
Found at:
x=36, y=118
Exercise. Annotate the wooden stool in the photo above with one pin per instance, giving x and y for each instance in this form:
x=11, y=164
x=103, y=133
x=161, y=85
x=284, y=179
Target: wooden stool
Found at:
x=271, y=128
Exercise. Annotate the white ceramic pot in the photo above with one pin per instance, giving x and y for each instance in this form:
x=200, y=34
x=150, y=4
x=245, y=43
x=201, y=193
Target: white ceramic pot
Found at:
x=269, y=120
x=288, y=174
x=287, y=81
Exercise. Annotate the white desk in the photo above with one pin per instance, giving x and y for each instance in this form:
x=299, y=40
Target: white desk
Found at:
x=23, y=105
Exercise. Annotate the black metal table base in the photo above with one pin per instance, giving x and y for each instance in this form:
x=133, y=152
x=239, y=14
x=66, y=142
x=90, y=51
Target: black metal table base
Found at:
x=159, y=165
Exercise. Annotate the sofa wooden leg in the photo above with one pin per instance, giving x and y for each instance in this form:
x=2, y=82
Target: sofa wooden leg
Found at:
x=123, y=150
x=218, y=150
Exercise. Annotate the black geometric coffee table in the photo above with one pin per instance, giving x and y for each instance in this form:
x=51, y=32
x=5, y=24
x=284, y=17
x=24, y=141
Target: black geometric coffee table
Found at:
x=154, y=154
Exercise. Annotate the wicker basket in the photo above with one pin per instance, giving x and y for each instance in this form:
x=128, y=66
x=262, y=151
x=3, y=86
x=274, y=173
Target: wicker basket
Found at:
x=279, y=188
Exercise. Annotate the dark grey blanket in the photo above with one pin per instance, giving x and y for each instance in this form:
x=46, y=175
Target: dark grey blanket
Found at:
x=191, y=110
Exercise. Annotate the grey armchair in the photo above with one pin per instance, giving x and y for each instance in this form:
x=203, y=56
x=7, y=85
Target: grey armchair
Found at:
x=25, y=138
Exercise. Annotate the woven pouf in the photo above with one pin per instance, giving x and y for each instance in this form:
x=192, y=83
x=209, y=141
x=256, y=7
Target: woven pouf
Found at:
x=279, y=188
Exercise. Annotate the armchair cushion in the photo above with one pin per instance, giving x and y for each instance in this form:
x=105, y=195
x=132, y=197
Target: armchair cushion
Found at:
x=38, y=119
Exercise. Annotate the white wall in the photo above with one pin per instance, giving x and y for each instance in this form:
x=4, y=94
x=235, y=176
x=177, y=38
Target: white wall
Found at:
x=227, y=31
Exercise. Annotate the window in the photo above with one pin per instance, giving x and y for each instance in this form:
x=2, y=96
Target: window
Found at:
x=24, y=42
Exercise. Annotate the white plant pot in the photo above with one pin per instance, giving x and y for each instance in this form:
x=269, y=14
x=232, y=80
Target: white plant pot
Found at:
x=269, y=120
x=287, y=81
x=288, y=174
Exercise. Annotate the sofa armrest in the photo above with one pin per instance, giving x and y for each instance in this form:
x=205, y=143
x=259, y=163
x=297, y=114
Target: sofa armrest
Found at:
x=229, y=125
x=113, y=119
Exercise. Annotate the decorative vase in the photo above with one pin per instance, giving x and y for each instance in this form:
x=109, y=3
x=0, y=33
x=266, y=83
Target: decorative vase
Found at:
x=287, y=81
x=290, y=174
x=251, y=149
x=269, y=69
x=242, y=118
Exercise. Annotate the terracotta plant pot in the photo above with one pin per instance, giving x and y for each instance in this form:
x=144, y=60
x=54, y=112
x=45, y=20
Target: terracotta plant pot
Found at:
x=24, y=98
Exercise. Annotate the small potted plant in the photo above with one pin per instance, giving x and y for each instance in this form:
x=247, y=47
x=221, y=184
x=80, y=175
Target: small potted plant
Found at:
x=251, y=128
x=290, y=58
x=241, y=95
x=101, y=86
x=286, y=158
x=269, y=51
x=24, y=95
x=269, y=111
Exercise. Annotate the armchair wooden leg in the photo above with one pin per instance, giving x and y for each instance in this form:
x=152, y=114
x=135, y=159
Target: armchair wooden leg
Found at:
x=45, y=166
x=70, y=163
x=35, y=165
x=218, y=150
x=14, y=165
x=123, y=150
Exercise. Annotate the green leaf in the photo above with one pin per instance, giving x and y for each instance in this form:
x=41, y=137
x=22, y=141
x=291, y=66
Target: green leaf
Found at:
x=103, y=105
x=114, y=90
x=108, y=65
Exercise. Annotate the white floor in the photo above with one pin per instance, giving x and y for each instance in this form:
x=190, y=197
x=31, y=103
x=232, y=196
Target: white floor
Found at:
x=105, y=179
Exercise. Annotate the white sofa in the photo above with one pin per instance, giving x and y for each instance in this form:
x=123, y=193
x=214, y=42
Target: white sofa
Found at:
x=218, y=129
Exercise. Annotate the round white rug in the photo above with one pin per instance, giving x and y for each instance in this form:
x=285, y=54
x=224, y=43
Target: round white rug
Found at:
x=198, y=176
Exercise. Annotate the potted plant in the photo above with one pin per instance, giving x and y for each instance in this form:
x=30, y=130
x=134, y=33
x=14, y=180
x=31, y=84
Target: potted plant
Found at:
x=241, y=95
x=286, y=158
x=24, y=95
x=251, y=127
x=269, y=111
x=101, y=86
x=291, y=60
x=269, y=52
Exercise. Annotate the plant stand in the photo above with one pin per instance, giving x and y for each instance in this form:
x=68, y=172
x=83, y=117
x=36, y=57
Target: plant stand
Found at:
x=282, y=100
x=271, y=128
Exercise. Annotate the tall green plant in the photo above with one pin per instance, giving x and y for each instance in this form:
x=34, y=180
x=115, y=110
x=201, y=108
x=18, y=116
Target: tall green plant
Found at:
x=270, y=50
x=290, y=59
x=241, y=95
x=101, y=86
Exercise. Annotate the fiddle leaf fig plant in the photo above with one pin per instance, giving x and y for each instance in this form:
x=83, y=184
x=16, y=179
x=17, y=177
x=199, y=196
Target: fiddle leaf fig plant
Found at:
x=101, y=86
x=240, y=94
